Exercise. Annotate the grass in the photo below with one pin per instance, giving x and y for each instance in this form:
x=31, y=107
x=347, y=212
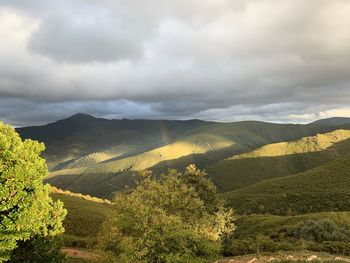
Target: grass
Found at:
x=325, y=188
x=83, y=220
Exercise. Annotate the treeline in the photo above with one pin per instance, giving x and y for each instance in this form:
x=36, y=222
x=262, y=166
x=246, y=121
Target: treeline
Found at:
x=55, y=190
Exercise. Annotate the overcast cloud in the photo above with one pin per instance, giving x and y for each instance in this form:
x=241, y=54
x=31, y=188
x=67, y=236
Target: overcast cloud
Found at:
x=226, y=60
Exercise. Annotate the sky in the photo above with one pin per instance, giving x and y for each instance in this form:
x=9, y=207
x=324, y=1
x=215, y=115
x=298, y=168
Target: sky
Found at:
x=222, y=60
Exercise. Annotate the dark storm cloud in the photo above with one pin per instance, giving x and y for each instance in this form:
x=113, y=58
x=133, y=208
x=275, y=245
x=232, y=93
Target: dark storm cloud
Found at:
x=226, y=60
x=88, y=41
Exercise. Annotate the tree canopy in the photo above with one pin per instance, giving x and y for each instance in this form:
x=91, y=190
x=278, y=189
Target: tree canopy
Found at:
x=175, y=218
x=26, y=210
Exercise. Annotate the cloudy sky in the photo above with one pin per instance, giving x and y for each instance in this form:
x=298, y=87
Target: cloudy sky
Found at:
x=226, y=60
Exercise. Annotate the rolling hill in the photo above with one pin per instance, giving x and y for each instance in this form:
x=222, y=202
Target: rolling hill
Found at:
x=324, y=188
x=99, y=156
x=279, y=159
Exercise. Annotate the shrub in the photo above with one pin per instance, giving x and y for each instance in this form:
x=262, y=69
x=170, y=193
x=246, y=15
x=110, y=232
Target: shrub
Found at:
x=177, y=218
x=321, y=230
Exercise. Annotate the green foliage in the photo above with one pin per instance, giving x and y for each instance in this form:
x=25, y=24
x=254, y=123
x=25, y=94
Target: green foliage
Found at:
x=166, y=220
x=321, y=230
x=39, y=250
x=26, y=210
x=325, y=188
x=327, y=232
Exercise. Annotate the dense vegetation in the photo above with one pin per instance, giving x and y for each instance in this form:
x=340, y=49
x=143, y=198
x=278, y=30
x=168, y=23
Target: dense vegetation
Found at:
x=327, y=231
x=325, y=188
x=27, y=213
x=175, y=218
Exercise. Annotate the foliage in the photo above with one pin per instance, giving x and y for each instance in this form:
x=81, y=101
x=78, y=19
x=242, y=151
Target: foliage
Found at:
x=298, y=194
x=249, y=226
x=39, y=250
x=321, y=230
x=166, y=220
x=55, y=190
x=327, y=232
x=26, y=210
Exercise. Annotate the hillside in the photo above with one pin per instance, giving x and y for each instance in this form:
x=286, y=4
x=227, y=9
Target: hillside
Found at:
x=83, y=221
x=324, y=188
x=81, y=135
x=333, y=121
x=98, y=156
x=279, y=159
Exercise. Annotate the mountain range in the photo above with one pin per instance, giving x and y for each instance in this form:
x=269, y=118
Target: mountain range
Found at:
x=99, y=157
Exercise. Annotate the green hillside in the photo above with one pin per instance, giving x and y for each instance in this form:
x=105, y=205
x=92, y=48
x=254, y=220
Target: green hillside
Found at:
x=279, y=159
x=81, y=135
x=83, y=221
x=98, y=156
x=324, y=188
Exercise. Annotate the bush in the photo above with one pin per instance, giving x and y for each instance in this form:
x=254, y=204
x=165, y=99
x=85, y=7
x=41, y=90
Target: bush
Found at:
x=321, y=230
x=177, y=218
x=39, y=250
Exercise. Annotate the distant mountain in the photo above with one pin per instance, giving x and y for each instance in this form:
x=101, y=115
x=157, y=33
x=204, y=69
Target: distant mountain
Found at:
x=81, y=135
x=333, y=121
x=98, y=156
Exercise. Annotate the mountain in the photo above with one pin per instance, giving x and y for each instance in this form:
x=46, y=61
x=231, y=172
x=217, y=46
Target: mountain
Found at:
x=81, y=135
x=333, y=121
x=99, y=157
x=324, y=188
x=279, y=159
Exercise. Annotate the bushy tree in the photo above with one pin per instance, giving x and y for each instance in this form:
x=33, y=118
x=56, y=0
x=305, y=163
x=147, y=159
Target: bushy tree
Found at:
x=26, y=210
x=39, y=250
x=169, y=219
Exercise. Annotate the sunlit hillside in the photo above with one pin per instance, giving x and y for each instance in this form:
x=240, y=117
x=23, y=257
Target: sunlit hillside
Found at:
x=279, y=159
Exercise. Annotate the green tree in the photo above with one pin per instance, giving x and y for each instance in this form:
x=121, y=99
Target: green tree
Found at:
x=26, y=210
x=169, y=219
x=39, y=250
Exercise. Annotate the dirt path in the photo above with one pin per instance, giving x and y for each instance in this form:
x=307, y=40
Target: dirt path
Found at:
x=77, y=253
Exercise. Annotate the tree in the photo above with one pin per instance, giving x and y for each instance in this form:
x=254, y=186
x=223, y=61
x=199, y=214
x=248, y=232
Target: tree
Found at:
x=169, y=219
x=26, y=210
